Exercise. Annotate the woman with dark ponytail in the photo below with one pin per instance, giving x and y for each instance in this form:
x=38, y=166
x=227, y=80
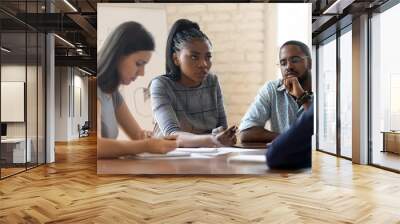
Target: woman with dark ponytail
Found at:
x=120, y=61
x=187, y=100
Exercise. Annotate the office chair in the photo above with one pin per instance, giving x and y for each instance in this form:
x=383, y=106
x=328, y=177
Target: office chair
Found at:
x=84, y=130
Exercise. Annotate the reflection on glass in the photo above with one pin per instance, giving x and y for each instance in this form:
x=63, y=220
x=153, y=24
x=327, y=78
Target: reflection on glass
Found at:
x=385, y=85
x=23, y=91
x=327, y=97
x=32, y=88
x=41, y=98
x=346, y=94
x=13, y=85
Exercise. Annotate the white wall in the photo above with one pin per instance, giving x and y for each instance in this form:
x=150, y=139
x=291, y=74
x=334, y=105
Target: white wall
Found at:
x=79, y=117
x=14, y=73
x=68, y=81
x=61, y=103
x=12, y=101
x=294, y=23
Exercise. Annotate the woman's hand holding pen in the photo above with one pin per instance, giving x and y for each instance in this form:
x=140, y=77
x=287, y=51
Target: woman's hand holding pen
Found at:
x=224, y=137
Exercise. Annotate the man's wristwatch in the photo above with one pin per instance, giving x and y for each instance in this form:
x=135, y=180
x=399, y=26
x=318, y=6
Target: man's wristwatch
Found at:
x=304, y=98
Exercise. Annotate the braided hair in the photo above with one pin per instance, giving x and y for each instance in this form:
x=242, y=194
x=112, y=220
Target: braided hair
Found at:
x=182, y=32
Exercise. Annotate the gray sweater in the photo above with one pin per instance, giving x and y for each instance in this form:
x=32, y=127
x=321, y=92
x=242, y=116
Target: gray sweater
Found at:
x=196, y=110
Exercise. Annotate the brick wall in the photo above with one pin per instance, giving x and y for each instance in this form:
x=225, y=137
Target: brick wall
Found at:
x=241, y=42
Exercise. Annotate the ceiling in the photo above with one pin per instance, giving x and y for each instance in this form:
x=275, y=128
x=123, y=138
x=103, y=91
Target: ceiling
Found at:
x=77, y=24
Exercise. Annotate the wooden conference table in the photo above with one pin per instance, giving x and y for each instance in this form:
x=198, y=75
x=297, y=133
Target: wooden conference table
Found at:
x=218, y=165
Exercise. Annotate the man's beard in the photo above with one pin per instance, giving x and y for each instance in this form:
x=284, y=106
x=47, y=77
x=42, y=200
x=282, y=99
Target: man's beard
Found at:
x=304, y=78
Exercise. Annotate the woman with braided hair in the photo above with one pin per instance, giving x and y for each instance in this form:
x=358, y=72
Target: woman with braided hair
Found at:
x=187, y=100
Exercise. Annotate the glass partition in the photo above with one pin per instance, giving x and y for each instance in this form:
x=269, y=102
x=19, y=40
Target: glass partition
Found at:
x=14, y=152
x=385, y=89
x=327, y=96
x=22, y=88
x=346, y=93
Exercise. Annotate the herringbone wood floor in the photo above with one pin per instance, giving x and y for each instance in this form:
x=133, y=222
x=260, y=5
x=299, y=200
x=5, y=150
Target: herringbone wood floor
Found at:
x=69, y=191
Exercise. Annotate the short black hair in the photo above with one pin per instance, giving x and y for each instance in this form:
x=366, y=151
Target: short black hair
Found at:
x=303, y=47
x=127, y=38
x=181, y=32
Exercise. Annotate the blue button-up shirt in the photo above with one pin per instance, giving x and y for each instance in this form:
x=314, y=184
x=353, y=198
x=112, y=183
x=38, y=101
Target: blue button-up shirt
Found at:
x=273, y=103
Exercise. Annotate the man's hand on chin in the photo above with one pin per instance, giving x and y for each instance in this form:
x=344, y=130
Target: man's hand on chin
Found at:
x=293, y=86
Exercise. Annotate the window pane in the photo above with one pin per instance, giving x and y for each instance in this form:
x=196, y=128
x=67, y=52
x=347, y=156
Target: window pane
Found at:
x=314, y=89
x=327, y=97
x=385, y=89
x=346, y=94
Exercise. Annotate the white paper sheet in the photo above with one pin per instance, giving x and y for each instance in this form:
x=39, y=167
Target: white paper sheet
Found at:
x=189, y=153
x=233, y=149
x=248, y=158
x=197, y=150
x=173, y=153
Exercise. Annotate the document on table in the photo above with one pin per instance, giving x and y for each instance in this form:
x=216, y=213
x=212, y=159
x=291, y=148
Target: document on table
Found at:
x=197, y=150
x=248, y=158
x=184, y=153
x=173, y=153
x=234, y=149
x=189, y=153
